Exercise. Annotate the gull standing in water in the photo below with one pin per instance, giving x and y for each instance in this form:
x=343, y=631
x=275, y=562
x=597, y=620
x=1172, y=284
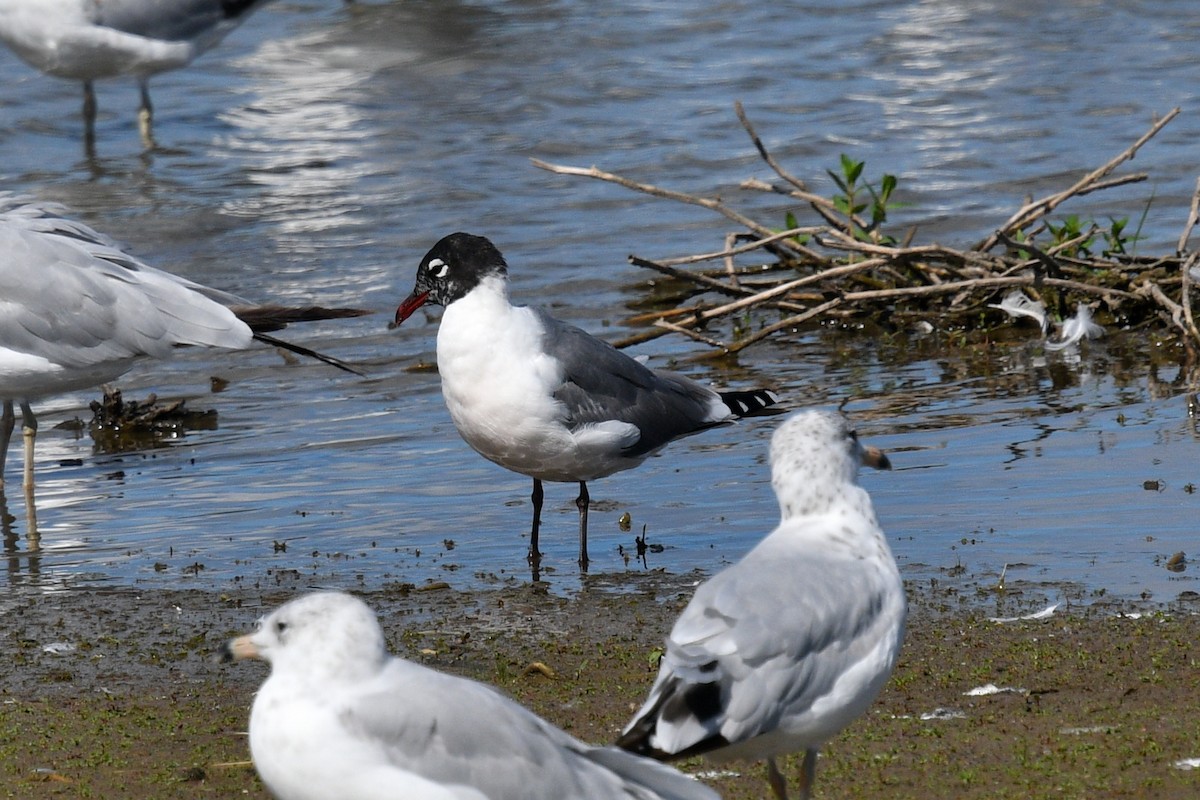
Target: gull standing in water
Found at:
x=89, y=40
x=338, y=717
x=543, y=398
x=779, y=652
x=76, y=311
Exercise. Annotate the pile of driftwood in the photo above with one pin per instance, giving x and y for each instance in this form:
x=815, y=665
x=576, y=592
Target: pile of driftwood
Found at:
x=842, y=268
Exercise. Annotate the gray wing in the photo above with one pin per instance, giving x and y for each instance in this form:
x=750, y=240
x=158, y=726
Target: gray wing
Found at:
x=175, y=20
x=455, y=731
x=759, y=642
x=69, y=295
x=600, y=383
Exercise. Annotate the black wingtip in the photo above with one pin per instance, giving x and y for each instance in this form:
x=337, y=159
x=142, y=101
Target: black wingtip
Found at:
x=304, y=351
x=636, y=740
x=753, y=403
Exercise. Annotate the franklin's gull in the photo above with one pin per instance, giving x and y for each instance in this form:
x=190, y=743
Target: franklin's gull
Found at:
x=543, y=398
x=782, y=650
x=338, y=717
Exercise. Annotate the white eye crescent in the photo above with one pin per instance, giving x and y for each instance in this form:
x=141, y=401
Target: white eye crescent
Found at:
x=439, y=268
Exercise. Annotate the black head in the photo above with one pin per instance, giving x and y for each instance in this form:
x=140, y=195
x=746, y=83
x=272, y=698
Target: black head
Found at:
x=450, y=270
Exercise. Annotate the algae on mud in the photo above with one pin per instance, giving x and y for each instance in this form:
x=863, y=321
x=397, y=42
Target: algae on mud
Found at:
x=131, y=703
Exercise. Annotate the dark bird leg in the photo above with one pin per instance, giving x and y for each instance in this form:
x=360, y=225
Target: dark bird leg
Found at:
x=534, y=554
x=808, y=773
x=581, y=503
x=8, y=421
x=89, y=118
x=776, y=779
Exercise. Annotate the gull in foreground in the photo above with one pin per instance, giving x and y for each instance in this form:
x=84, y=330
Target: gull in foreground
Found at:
x=76, y=312
x=88, y=40
x=543, y=398
x=782, y=650
x=339, y=718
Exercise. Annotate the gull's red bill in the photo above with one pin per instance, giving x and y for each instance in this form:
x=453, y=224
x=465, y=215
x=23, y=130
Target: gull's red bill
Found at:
x=406, y=309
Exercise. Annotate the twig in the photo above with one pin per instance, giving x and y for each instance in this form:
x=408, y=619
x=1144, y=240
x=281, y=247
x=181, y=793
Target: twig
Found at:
x=757, y=244
x=694, y=277
x=671, y=326
x=679, y=197
x=1193, y=218
x=1040, y=208
x=1185, y=294
x=822, y=205
x=730, y=270
x=790, y=322
x=1052, y=267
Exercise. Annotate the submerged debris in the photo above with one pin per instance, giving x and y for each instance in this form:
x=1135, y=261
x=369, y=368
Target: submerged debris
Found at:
x=120, y=426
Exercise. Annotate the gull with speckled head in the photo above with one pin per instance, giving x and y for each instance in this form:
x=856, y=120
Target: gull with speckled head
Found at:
x=779, y=652
x=89, y=40
x=544, y=398
x=339, y=718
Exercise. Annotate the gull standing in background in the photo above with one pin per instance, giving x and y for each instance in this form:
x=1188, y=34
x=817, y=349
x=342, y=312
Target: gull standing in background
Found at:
x=76, y=311
x=339, y=718
x=544, y=398
x=89, y=40
x=779, y=652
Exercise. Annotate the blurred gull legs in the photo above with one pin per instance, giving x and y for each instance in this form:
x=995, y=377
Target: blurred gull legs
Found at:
x=338, y=717
x=90, y=40
x=782, y=650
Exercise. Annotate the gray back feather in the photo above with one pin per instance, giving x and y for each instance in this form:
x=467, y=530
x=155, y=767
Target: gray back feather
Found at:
x=600, y=383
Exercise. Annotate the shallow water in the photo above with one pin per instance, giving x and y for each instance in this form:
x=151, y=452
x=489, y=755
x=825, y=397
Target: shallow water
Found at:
x=321, y=149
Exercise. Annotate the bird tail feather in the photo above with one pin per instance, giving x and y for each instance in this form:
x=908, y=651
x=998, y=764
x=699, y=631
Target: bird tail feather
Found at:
x=753, y=403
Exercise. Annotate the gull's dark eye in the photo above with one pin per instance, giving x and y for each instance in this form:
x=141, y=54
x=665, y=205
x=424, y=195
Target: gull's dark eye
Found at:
x=280, y=626
x=854, y=436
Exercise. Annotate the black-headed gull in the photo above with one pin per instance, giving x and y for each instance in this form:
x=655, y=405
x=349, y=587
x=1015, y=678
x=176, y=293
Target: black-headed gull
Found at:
x=76, y=311
x=543, y=398
x=89, y=40
x=782, y=650
x=338, y=717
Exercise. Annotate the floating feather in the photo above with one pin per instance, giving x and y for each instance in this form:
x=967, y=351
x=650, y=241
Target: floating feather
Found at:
x=1076, y=329
x=1017, y=304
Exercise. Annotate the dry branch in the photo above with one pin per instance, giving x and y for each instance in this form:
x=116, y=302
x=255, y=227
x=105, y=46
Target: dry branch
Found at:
x=829, y=270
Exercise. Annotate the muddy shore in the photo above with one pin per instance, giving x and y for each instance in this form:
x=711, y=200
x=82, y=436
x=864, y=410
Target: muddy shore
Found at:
x=116, y=693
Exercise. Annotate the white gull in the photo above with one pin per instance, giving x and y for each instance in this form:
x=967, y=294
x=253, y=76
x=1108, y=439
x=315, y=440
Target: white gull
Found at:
x=76, y=311
x=90, y=40
x=339, y=718
x=782, y=650
x=544, y=398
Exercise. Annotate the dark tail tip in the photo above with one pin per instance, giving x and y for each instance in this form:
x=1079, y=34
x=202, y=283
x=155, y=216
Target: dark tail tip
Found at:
x=308, y=353
x=754, y=403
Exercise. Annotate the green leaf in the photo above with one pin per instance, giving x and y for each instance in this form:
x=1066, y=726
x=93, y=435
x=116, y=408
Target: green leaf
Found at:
x=851, y=169
x=837, y=180
x=887, y=186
